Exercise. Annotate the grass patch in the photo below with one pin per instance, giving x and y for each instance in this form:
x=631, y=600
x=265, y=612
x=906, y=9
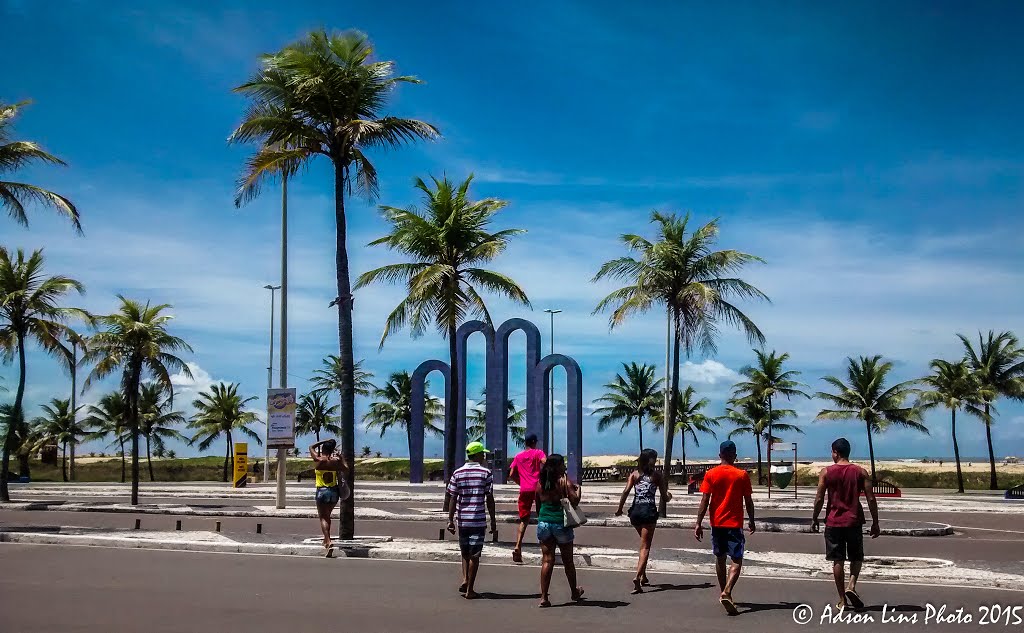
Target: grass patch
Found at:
x=920, y=479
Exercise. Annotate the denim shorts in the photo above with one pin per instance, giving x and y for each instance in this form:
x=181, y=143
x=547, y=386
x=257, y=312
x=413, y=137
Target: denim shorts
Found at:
x=728, y=542
x=548, y=531
x=471, y=541
x=327, y=496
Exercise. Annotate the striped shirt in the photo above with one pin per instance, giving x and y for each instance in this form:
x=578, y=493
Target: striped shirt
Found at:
x=469, y=487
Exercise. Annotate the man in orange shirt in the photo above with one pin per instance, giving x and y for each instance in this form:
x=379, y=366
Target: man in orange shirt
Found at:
x=726, y=489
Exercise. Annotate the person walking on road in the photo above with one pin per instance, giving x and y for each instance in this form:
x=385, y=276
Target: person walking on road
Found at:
x=526, y=472
x=471, y=491
x=643, y=514
x=555, y=485
x=844, y=520
x=330, y=469
x=726, y=489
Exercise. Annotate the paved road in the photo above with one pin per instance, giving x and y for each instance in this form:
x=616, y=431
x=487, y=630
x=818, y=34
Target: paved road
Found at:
x=71, y=589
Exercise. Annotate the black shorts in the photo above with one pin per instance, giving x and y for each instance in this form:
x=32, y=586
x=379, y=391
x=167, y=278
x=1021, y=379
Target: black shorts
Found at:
x=643, y=514
x=728, y=542
x=844, y=543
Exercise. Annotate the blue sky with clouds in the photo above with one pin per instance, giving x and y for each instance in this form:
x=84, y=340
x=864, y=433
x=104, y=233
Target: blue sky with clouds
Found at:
x=872, y=153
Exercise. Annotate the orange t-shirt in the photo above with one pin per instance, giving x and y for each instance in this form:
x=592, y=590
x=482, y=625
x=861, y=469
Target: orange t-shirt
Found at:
x=727, y=486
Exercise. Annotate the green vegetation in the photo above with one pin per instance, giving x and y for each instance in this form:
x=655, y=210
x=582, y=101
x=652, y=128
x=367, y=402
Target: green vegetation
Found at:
x=944, y=480
x=631, y=398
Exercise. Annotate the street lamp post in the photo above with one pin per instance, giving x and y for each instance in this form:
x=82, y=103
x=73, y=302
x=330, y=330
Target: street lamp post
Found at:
x=551, y=383
x=270, y=385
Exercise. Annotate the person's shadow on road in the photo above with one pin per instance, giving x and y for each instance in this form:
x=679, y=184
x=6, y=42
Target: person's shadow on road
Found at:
x=602, y=604
x=490, y=595
x=670, y=587
x=755, y=607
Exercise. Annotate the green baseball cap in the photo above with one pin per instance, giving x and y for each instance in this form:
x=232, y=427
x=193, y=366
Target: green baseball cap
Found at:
x=475, y=448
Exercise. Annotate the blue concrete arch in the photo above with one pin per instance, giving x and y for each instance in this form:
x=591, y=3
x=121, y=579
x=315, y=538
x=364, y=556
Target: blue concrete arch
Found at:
x=497, y=389
x=573, y=402
x=416, y=430
x=461, y=338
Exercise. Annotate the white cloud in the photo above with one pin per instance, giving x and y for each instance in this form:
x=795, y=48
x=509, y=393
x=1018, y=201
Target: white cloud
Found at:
x=708, y=372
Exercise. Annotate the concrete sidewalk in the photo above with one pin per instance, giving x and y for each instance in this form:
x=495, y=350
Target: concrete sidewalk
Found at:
x=689, y=560
x=432, y=514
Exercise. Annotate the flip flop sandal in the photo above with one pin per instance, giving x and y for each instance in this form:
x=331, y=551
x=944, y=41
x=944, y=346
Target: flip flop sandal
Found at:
x=730, y=606
x=517, y=556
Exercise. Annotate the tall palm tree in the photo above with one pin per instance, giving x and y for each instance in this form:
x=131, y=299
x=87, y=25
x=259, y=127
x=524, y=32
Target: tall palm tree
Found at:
x=109, y=417
x=69, y=358
x=29, y=311
x=865, y=397
x=329, y=377
x=750, y=417
x=326, y=96
x=767, y=380
x=476, y=427
x=956, y=387
x=157, y=420
x=392, y=407
x=135, y=341
x=630, y=398
x=221, y=411
x=999, y=365
x=697, y=284
x=446, y=241
x=15, y=155
x=316, y=414
x=690, y=419
x=59, y=425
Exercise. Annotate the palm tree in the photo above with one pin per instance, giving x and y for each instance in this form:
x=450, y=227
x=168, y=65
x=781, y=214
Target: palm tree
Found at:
x=750, y=417
x=955, y=386
x=767, y=380
x=393, y=407
x=157, y=420
x=476, y=429
x=447, y=241
x=325, y=96
x=316, y=414
x=135, y=341
x=109, y=417
x=69, y=358
x=329, y=377
x=690, y=419
x=59, y=425
x=999, y=365
x=697, y=284
x=629, y=398
x=221, y=411
x=29, y=310
x=866, y=397
x=15, y=155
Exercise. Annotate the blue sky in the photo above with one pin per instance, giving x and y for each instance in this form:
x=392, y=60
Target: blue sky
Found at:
x=870, y=152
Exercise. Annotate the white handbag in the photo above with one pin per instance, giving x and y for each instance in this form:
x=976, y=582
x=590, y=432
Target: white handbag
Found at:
x=574, y=517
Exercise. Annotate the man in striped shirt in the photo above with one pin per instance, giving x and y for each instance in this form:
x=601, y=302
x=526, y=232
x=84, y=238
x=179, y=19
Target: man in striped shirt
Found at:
x=469, y=489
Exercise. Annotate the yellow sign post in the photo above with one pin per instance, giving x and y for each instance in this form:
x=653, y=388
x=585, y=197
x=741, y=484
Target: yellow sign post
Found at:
x=241, y=464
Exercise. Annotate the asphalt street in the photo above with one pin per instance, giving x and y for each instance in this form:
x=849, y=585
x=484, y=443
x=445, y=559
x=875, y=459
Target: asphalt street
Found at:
x=68, y=589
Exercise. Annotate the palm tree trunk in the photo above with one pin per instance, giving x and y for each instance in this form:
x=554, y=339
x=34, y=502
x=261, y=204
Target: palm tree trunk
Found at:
x=956, y=456
x=149, y=460
x=133, y=412
x=871, y=452
x=760, y=473
x=227, y=455
x=348, y=412
x=317, y=433
x=770, y=438
x=74, y=401
x=673, y=405
x=64, y=461
x=640, y=426
x=15, y=421
x=992, y=483
x=122, y=460
x=451, y=409
x=682, y=443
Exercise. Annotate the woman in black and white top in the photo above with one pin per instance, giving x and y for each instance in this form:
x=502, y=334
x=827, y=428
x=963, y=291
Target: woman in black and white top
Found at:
x=643, y=514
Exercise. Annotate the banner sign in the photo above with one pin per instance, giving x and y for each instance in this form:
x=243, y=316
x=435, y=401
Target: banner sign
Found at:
x=241, y=464
x=281, y=418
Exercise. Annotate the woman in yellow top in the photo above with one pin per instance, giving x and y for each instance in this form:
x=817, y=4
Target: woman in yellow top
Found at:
x=331, y=470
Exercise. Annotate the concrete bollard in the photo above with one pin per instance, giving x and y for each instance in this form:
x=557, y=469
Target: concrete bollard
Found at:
x=259, y=528
x=218, y=526
x=177, y=526
x=440, y=534
x=138, y=524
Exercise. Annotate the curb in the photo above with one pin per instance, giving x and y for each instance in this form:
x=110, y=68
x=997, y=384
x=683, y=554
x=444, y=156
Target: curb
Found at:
x=370, y=514
x=491, y=555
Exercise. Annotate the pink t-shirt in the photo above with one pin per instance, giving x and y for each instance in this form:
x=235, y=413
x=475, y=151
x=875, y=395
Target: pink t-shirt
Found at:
x=527, y=465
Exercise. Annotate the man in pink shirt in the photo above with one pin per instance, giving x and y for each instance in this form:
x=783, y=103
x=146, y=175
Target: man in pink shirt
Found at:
x=526, y=472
